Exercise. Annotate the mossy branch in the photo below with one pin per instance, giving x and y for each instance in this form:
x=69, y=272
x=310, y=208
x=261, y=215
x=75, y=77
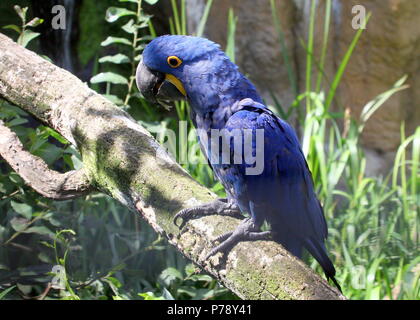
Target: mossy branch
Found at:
x=123, y=160
x=35, y=172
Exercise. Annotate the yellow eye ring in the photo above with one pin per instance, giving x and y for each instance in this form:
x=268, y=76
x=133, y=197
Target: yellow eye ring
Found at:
x=174, y=61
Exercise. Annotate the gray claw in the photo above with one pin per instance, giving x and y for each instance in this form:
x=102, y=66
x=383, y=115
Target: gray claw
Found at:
x=185, y=214
x=246, y=231
x=218, y=206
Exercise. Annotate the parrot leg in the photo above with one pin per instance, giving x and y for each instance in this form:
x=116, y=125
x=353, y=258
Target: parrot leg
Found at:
x=246, y=231
x=218, y=206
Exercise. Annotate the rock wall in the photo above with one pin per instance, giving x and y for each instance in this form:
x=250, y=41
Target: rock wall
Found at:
x=388, y=49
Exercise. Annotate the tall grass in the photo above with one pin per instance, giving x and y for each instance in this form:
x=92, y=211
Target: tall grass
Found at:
x=373, y=221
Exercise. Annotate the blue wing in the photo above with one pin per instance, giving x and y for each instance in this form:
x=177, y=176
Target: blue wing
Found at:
x=283, y=193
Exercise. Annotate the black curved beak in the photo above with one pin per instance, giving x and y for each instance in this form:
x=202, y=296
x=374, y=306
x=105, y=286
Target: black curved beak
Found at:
x=158, y=87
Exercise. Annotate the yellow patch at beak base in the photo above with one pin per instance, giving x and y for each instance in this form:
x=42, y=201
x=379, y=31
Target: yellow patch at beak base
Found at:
x=176, y=82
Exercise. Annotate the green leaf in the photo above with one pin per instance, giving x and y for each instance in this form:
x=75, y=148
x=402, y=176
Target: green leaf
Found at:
x=34, y=22
x=190, y=269
x=16, y=122
x=48, y=245
x=19, y=224
x=72, y=232
x=117, y=59
x=111, y=40
x=46, y=58
x=114, y=13
x=5, y=292
x=13, y=27
x=372, y=106
x=77, y=162
x=114, y=99
x=129, y=27
x=37, y=143
x=56, y=135
x=169, y=275
x=167, y=295
x=26, y=37
x=3, y=187
x=150, y=296
x=115, y=281
x=21, y=12
x=39, y=230
x=140, y=47
x=145, y=38
x=15, y=178
x=49, y=153
x=109, y=77
x=22, y=208
x=201, y=277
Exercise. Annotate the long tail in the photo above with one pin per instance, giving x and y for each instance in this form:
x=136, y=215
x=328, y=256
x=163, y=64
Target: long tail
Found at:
x=285, y=237
x=294, y=245
x=318, y=250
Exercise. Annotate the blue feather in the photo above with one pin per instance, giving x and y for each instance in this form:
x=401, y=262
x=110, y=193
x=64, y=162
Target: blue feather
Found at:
x=222, y=98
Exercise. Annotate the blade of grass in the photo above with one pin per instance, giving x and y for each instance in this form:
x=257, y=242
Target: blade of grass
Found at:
x=309, y=54
x=324, y=44
x=344, y=62
x=183, y=18
x=230, y=44
x=415, y=179
x=176, y=18
x=398, y=160
x=203, y=20
x=283, y=48
x=5, y=292
x=152, y=30
x=370, y=108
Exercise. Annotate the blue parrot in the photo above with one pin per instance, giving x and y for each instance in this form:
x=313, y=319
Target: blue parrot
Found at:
x=279, y=189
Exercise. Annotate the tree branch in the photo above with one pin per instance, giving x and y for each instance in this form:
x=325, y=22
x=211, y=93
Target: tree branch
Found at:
x=123, y=160
x=35, y=172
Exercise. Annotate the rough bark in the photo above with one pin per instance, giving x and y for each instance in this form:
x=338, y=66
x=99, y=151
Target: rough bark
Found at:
x=123, y=160
x=35, y=172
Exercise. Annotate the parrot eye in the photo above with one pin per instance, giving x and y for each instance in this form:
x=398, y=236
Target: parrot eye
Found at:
x=174, y=61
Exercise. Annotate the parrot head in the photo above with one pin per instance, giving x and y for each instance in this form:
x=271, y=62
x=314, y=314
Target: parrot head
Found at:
x=175, y=67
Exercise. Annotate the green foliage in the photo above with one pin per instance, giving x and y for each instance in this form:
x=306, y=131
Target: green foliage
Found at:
x=108, y=253
x=25, y=34
x=130, y=45
x=27, y=219
x=105, y=252
x=92, y=29
x=190, y=284
x=230, y=43
x=5, y=292
x=372, y=229
x=373, y=221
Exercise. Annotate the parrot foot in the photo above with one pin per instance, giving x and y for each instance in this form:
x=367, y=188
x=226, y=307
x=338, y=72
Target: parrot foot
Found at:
x=218, y=206
x=246, y=231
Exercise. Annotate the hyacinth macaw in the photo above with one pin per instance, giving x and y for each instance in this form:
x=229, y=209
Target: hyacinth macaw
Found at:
x=195, y=69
